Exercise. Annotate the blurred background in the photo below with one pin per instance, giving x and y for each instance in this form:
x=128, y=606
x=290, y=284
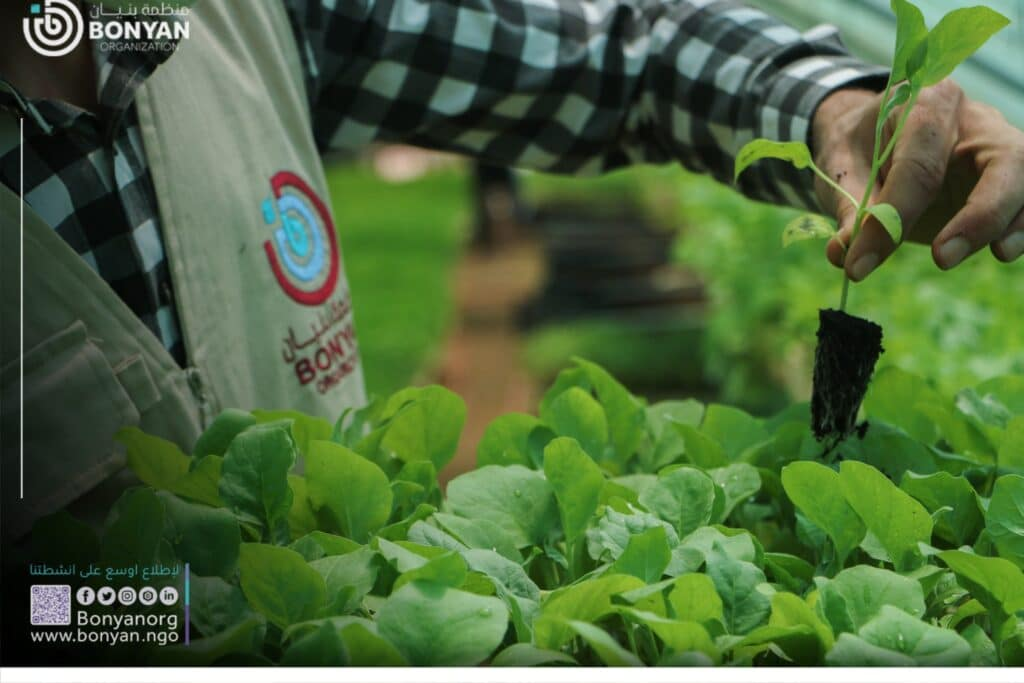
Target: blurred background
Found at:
x=489, y=281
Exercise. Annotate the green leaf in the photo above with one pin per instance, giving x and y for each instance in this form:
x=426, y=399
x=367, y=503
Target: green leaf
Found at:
x=695, y=548
x=208, y=538
x=926, y=645
x=304, y=428
x=983, y=650
x=911, y=30
x=959, y=432
x=244, y=637
x=434, y=625
x=321, y=647
x=789, y=610
x=366, y=647
x=519, y=500
x=355, y=491
x=217, y=605
x=327, y=545
x=445, y=570
x=956, y=37
x=962, y=520
x=1011, y=450
x=201, y=483
x=625, y=413
x=222, y=431
x=851, y=650
x=684, y=497
x=809, y=226
x=856, y=595
x=587, y=601
x=607, y=540
x=743, y=606
x=301, y=518
x=480, y=533
x=678, y=636
x=668, y=443
x=817, y=491
x=986, y=413
x=890, y=219
x=348, y=578
x=700, y=449
x=157, y=462
x=254, y=478
x=795, y=153
x=510, y=575
x=576, y=414
x=429, y=429
x=525, y=654
x=606, y=647
x=414, y=485
x=279, y=584
x=798, y=644
x=996, y=583
x=789, y=570
x=1004, y=520
x=694, y=598
x=893, y=397
x=506, y=441
x=891, y=451
x=897, y=520
x=739, y=481
x=733, y=428
x=577, y=483
x=645, y=557
x=1007, y=390
x=134, y=529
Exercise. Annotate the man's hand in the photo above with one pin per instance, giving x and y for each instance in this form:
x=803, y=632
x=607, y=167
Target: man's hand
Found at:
x=956, y=177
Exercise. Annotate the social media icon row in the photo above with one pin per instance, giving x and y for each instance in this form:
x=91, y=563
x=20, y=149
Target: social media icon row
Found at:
x=127, y=596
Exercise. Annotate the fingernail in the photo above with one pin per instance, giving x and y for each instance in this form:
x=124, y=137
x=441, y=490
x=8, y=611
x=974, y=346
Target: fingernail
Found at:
x=1013, y=246
x=863, y=266
x=953, y=252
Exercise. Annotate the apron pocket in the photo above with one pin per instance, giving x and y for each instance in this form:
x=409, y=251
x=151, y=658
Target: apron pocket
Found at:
x=74, y=405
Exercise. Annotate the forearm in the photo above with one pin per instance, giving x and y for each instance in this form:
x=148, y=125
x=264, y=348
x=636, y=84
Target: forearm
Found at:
x=574, y=87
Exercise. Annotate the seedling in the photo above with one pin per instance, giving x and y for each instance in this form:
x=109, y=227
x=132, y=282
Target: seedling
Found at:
x=849, y=347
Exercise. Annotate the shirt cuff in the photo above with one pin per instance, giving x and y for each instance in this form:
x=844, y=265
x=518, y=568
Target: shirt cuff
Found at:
x=787, y=111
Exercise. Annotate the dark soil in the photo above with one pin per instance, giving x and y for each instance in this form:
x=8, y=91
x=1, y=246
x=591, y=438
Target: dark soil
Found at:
x=848, y=348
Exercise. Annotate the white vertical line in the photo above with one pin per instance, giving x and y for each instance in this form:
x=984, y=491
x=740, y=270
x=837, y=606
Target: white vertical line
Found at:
x=21, y=317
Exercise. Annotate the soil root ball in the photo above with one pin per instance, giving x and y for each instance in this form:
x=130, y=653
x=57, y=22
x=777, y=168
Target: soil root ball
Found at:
x=848, y=348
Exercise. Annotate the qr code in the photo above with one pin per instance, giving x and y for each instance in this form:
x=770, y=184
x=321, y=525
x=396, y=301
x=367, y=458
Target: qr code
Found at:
x=51, y=605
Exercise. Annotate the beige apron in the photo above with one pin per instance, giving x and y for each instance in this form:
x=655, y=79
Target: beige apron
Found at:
x=254, y=258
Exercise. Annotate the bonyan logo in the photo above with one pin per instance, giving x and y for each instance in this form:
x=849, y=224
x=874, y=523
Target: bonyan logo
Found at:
x=303, y=254
x=54, y=30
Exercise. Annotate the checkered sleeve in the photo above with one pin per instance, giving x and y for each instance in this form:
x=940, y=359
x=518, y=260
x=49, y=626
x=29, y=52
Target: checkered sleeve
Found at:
x=572, y=86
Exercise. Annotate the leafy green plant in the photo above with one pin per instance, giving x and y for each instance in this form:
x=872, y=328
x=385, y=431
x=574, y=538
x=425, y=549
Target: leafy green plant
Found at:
x=602, y=531
x=848, y=347
x=922, y=58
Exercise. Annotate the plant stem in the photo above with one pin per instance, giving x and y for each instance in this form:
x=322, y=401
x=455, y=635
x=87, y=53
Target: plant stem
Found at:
x=629, y=636
x=876, y=167
x=846, y=293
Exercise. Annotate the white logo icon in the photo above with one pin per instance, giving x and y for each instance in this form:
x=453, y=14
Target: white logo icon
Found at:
x=126, y=596
x=55, y=29
x=85, y=596
x=168, y=595
x=106, y=596
x=148, y=596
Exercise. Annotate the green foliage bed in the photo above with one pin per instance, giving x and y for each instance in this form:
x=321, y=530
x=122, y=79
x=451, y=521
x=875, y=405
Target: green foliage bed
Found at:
x=604, y=531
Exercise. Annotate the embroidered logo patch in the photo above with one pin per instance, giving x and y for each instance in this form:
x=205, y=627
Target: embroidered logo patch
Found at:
x=303, y=251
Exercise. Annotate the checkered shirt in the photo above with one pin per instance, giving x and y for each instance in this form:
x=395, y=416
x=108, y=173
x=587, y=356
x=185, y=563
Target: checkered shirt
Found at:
x=555, y=85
